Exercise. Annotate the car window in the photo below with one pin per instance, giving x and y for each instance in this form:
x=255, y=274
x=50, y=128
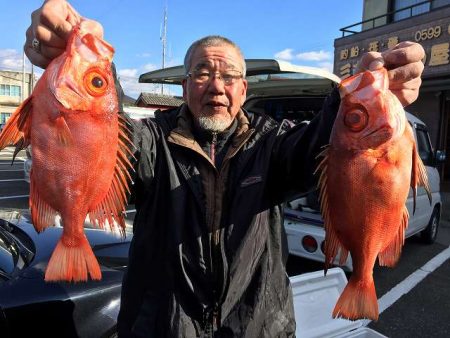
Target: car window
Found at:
x=424, y=146
x=296, y=109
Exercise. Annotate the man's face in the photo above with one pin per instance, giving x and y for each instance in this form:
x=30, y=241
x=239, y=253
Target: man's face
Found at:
x=212, y=102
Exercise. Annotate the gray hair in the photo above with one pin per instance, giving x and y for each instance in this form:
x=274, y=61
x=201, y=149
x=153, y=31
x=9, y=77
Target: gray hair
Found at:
x=212, y=41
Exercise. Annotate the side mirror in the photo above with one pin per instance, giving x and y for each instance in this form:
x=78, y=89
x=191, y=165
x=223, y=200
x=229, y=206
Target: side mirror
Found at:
x=439, y=156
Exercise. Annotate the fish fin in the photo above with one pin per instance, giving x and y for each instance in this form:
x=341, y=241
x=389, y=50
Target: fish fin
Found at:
x=419, y=176
x=72, y=262
x=358, y=300
x=112, y=207
x=63, y=132
x=391, y=254
x=332, y=243
x=17, y=129
x=42, y=214
x=343, y=255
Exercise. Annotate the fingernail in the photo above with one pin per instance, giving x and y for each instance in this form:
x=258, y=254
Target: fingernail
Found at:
x=376, y=64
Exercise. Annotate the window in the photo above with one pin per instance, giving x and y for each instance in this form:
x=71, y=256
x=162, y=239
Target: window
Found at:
x=399, y=4
x=424, y=146
x=4, y=117
x=10, y=90
x=439, y=3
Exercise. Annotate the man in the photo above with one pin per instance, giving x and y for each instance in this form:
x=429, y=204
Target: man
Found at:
x=208, y=253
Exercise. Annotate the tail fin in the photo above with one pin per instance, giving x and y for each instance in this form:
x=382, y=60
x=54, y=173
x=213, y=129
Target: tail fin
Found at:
x=357, y=301
x=71, y=262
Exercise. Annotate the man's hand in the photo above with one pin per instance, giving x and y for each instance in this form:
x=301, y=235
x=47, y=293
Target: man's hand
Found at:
x=404, y=66
x=51, y=26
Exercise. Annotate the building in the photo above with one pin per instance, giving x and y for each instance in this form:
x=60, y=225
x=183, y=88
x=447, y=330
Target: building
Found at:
x=11, y=89
x=388, y=22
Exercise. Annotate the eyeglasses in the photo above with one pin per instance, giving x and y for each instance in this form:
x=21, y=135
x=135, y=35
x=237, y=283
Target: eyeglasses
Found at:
x=203, y=76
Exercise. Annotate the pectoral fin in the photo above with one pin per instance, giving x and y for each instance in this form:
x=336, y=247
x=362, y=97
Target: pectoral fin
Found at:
x=63, y=131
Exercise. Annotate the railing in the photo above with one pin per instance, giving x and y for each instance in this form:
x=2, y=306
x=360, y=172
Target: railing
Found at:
x=387, y=18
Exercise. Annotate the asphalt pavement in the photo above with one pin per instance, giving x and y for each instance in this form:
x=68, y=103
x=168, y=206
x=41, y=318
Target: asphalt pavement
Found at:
x=425, y=310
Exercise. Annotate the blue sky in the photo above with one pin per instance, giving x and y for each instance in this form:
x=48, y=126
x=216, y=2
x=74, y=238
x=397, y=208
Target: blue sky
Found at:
x=300, y=31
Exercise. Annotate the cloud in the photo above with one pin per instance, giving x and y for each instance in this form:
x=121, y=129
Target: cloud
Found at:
x=129, y=80
x=314, y=56
x=133, y=88
x=127, y=72
x=326, y=65
x=144, y=55
x=149, y=67
x=11, y=59
x=285, y=54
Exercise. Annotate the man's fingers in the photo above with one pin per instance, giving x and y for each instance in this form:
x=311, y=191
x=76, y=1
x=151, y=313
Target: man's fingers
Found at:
x=413, y=83
x=370, y=60
x=404, y=53
x=406, y=92
x=48, y=37
x=406, y=73
x=73, y=17
x=38, y=59
x=406, y=96
x=56, y=20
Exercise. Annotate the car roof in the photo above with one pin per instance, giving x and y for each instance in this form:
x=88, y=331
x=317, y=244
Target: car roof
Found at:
x=264, y=76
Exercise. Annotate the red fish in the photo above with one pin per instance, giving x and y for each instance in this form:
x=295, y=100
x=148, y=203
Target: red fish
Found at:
x=367, y=171
x=79, y=150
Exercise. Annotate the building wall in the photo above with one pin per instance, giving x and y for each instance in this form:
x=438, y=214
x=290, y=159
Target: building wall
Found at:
x=9, y=103
x=372, y=9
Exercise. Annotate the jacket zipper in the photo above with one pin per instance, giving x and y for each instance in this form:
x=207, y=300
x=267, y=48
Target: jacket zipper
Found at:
x=216, y=239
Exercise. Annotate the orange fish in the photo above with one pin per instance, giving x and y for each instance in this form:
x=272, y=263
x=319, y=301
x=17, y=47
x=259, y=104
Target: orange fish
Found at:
x=366, y=173
x=79, y=150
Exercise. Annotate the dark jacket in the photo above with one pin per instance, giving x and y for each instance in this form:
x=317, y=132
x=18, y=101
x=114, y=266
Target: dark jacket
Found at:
x=208, y=254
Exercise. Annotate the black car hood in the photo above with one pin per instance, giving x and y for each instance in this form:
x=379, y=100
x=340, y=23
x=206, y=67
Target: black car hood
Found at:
x=46, y=241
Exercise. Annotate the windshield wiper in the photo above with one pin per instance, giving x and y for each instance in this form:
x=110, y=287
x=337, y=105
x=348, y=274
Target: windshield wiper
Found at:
x=26, y=253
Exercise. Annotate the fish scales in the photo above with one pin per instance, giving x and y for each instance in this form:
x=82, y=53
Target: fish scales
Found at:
x=366, y=174
x=80, y=149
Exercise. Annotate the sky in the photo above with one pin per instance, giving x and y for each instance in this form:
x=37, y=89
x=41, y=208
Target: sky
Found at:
x=299, y=31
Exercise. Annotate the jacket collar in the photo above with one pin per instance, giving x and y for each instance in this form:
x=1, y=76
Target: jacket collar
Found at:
x=183, y=136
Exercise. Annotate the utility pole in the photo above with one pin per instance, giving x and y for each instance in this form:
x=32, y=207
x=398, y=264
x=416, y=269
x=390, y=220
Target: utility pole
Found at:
x=164, y=41
x=22, y=91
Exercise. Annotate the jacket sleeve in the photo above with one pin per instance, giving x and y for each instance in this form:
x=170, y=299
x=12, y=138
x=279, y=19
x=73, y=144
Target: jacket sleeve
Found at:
x=294, y=154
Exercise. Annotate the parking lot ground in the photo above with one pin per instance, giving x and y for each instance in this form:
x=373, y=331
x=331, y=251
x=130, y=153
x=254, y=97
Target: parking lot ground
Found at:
x=422, y=313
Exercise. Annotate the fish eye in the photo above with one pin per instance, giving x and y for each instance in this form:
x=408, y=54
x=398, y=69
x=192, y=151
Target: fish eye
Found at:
x=95, y=82
x=356, y=120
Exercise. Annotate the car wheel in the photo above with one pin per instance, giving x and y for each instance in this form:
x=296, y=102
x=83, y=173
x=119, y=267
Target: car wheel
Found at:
x=429, y=234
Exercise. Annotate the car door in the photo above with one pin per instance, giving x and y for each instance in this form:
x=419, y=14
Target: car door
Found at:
x=419, y=219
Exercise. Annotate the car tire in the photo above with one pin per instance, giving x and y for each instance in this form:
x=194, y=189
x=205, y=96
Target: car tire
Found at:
x=429, y=234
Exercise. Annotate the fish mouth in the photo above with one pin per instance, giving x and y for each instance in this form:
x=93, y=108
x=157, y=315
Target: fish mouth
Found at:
x=378, y=136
